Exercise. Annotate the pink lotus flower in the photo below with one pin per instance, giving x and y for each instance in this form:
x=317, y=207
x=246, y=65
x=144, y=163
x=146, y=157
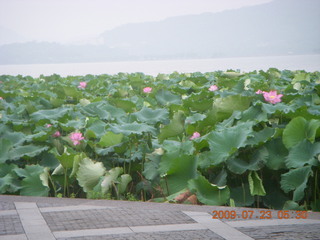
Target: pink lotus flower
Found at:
x=56, y=134
x=1, y=98
x=195, y=135
x=147, y=90
x=259, y=92
x=82, y=85
x=272, y=97
x=48, y=125
x=213, y=88
x=76, y=138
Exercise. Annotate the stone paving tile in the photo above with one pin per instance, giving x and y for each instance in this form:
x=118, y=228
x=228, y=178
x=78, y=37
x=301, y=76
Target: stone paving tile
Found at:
x=174, y=235
x=109, y=218
x=7, y=206
x=44, y=205
x=284, y=232
x=10, y=225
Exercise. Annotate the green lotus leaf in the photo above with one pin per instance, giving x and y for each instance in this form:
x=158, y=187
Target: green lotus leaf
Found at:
x=5, y=146
x=56, y=102
x=281, y=107
x=73, y=125
x=176, y=147
x=314, y=110
x=254, y=113
x=151, y=166
x=262, y=136
x=277, y=154
x=199, y=101
x=95, y=110
x=5, y=182
x=291, y=205
x=44, y=177
x=241, y=195
x=298, y=77
x=255, y=184
x=104, y=151
x=110, y=139
x=38, y=137
x=151, y=116
x=7, y=168
x=71, y=91
x=110, y=178
x=132, y=128
x=299, y=129
x=8, y=179
x=89, y=173
x=123, y=182
x=205, y=159
x=296, y=180
x=103, y=110
x=59, y=170
x=136, y=80
x=303, y=153
x=221, y=178
x=223, y=108
x=34, y=182
x=208, y=193
x=174, y=128
x=89, y=134
x=195, y=118
x=66, y=159
x=227, y=141
x=97, y=127
x=275, y=197
x=177, y=169
x=126, y=105
x=198, y=78
x=27, y=150
x=16, y=138
x=76, y=161
x=51, y=114
x=165, y=97
x=252, y=162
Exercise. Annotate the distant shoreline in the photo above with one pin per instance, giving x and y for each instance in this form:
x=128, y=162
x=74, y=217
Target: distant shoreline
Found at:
x=154, y=67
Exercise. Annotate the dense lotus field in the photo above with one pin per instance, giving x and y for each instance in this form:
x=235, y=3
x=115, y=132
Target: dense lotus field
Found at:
x=219, y=138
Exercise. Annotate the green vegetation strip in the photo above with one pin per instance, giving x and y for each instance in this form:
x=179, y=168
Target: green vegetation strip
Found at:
x=218, y=138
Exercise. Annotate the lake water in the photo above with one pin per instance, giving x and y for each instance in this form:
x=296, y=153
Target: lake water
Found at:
x=244, y=64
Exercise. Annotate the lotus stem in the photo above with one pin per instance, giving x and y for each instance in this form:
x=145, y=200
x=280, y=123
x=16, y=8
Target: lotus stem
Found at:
x=316, y=188
x=116, y=189
x=65, y=183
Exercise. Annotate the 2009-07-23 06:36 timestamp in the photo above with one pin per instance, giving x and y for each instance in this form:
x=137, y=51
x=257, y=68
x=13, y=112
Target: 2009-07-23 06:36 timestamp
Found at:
x=262, y=214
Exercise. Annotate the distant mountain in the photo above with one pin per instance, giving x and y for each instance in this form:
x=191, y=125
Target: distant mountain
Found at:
x=9, y=36
x=280, y=27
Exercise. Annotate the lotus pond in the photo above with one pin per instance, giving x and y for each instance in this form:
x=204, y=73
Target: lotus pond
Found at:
x=218, y=138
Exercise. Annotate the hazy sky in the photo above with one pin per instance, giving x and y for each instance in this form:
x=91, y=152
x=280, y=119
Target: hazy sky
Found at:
x=74, y=20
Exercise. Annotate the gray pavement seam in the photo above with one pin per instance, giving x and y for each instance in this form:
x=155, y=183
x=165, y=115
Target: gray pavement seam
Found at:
x=7, y=212
x=72, y=208
x=167, y=228
x=92, y=232
x=130, y=229
x=14, y=237
x=34, y=225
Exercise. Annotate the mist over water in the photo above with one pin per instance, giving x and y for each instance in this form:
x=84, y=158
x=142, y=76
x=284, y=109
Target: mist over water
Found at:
x=244, y=64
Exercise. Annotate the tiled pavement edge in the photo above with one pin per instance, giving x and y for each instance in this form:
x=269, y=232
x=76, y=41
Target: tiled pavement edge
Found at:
x=33, y=218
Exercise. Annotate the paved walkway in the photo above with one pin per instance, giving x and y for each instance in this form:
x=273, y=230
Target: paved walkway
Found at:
x=33, y=218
